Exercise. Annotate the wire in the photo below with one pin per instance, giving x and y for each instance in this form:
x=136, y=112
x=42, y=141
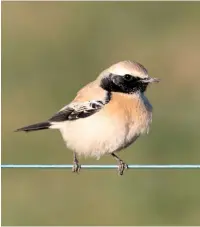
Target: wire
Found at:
x=66, y=166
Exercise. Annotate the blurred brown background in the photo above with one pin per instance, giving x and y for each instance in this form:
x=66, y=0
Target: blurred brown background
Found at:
x=50, y=50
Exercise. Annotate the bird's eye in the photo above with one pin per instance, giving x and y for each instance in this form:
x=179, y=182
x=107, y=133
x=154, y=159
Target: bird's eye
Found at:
x=128, y=77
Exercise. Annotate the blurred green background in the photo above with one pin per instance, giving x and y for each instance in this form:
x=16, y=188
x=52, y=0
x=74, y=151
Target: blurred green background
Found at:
x=50, y=50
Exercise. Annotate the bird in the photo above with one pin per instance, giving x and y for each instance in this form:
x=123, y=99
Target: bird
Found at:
x=106, y=116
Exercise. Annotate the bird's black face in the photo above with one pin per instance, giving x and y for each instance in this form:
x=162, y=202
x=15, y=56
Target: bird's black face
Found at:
x=124, y=84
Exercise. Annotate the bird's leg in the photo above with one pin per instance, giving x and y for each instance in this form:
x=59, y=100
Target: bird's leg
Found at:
x=76, y=167
x=122, y=166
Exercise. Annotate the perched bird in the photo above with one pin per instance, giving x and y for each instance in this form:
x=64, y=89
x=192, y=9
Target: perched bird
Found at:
x=107, y=115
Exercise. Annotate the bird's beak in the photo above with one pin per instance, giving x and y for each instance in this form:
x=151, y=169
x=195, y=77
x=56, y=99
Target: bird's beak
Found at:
x=151, y=80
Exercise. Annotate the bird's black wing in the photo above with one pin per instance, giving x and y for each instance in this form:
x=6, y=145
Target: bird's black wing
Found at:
x=77, y=110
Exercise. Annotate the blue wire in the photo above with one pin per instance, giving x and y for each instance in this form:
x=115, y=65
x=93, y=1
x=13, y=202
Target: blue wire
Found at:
x=66, y=166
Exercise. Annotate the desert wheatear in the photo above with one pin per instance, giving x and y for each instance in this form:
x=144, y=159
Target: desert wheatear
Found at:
x=107, y=115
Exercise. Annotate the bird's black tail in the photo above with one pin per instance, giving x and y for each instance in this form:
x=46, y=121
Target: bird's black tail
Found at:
x=35, y=127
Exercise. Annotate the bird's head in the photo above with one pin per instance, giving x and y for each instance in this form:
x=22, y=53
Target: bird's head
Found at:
x=126, y=77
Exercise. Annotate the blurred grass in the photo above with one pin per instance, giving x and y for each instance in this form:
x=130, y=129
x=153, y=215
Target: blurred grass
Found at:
x=50, y=50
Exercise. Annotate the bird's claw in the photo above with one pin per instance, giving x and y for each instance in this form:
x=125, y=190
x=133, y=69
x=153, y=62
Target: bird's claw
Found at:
x=122, y=166
x=76, y=168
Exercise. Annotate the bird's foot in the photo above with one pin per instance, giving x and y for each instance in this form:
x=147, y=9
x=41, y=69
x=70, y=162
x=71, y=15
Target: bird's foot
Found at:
x=122, y=166
x=76, y=167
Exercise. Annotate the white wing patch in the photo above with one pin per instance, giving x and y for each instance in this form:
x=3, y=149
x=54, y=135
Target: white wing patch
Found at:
x=77, y=110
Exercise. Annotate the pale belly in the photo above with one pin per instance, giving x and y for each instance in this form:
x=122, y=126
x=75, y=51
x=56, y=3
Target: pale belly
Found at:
x=113, y=128
x=98, y=135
